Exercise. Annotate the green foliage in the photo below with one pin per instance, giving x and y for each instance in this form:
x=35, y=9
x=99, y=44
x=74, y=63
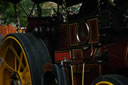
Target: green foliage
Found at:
x=27, y=5
x=7, y=12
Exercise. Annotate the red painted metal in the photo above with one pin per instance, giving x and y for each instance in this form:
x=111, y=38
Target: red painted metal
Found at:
x=60, y=56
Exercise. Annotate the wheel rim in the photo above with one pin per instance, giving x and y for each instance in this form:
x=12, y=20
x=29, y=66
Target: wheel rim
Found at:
x=104, y=83
x=15, y=68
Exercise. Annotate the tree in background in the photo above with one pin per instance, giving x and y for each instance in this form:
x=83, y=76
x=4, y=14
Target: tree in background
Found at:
x=7, y=12
x=8, y=16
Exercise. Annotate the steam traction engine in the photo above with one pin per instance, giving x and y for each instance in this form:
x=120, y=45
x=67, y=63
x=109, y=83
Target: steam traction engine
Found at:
x=88, y=48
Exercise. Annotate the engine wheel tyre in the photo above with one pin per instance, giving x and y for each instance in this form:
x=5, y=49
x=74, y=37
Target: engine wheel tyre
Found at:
x=112, y=79
x=52, y=75
x=23, y=58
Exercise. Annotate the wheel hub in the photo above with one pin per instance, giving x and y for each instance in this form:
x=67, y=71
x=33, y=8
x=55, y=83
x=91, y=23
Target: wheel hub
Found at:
x=15, y=79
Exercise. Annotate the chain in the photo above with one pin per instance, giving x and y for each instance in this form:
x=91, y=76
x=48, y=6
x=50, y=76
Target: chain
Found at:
x=65, y=13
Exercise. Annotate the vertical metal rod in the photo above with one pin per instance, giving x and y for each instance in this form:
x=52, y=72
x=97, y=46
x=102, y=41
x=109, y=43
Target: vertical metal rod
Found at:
x=39, y=10
x=91, y=50
x=72, y=75
x=83, y=74
x=127, y=55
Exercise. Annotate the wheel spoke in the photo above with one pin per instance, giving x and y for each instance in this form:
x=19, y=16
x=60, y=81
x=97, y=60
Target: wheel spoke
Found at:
x=20, y=62
x=15, y=64
x=9, y=67
x=25, y=70
x=6, y=50
x=15, y=53
x=28, y=83
x=17, y=57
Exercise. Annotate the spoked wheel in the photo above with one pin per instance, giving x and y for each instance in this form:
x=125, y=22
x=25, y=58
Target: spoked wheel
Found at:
x=22, y=60
x=112, y=79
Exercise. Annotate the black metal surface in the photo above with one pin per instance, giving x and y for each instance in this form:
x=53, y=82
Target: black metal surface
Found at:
x=45, y=28
x=112, y=22
x=89, y=8
x=37, y=55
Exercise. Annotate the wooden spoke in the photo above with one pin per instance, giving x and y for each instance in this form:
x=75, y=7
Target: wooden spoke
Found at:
x=15, y=64
x=15, y=53
x=28, y=83
x=20, y=62
x=25, y=70
x=9, y=68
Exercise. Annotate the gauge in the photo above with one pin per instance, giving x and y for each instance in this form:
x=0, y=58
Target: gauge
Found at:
x=82, y=33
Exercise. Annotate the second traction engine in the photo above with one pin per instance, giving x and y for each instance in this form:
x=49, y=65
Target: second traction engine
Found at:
x=90, y=44
x=87, y=47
